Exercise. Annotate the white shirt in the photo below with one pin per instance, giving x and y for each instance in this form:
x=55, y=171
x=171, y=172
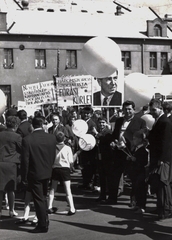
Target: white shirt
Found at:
x=64, y=158
x=108, y=99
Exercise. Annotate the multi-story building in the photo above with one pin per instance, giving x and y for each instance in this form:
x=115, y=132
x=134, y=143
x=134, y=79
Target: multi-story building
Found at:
x=39, y=41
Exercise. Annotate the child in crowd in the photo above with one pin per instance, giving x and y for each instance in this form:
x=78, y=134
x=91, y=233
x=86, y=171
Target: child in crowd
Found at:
x=137, y=172
x=61, y=171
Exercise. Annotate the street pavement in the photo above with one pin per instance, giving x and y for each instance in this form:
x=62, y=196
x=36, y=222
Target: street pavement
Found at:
x=92, y=220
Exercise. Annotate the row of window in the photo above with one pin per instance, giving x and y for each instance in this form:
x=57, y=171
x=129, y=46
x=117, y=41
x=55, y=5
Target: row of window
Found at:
x=40, y=59
x=126, y=58
x=71, y=59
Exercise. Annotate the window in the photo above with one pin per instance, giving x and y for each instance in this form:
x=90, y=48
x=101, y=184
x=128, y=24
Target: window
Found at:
x=40, y=60
x=126, y=58
x=153, y=60
x=163, y=59
x=157, y=30
x=8, y=58
x=71, y=59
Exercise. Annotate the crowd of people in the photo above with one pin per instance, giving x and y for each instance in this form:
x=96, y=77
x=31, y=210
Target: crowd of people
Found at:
x=37, y=152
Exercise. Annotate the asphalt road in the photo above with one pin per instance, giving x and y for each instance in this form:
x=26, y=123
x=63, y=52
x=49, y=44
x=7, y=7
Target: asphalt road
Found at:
x=92, y=221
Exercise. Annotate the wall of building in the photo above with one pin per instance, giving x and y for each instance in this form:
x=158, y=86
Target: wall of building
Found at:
x=24, y=71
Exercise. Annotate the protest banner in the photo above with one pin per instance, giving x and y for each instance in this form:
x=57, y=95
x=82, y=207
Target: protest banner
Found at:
x=30, y=109
x=68, y=91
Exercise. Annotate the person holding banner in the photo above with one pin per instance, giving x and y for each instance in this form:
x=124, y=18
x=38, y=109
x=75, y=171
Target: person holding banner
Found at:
x=121, y=140
x=108, y=95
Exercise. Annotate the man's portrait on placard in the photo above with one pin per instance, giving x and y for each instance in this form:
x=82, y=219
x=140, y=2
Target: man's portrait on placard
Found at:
x=108, y=91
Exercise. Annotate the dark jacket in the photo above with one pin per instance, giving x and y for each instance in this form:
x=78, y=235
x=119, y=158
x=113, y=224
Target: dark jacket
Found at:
x=38, y=155
x=115, y=101
x=24, y=129
x=160, y=140
x=135, y=125
x=10, y=146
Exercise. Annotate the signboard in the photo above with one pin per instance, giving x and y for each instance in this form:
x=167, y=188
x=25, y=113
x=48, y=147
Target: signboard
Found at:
x=68, y=91
x=74, y=91
x=30, y=109
x=39, y=93
x=110, y=88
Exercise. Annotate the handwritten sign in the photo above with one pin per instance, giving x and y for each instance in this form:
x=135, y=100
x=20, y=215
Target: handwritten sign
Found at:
x=68, y=91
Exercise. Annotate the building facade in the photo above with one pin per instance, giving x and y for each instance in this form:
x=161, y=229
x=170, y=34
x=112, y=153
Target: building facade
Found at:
x=37, y=44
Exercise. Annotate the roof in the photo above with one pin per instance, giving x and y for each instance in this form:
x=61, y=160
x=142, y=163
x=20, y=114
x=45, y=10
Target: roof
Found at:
x=131, y=24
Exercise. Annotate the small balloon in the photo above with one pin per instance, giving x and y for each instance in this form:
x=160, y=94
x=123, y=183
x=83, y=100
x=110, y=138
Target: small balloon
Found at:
x=3, y=102
x=87, y=142
x=79, y=127
x=149, y=120
x=101, y=57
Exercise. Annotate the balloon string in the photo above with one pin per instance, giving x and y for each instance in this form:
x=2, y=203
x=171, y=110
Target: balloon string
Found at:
x=129, y=155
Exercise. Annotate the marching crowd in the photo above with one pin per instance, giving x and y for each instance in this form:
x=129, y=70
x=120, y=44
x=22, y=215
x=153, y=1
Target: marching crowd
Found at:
x=38, y=152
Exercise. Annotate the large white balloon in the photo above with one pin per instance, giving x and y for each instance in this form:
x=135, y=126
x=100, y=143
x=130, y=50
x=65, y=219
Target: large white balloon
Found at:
x=87, y=142
x=149, y=120
x=101, y=56
x=3, y=102
x=139, y=89
x=79, y=127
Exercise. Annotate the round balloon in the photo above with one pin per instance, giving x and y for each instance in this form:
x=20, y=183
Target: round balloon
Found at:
x=79, y=127
x=3, y=102
x=139, y=89
x=101, y=57
x=87, y=142
x=149, y=120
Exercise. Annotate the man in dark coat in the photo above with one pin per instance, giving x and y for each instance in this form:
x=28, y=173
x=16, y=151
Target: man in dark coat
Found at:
x=88, y=158
x=57, y=126
x=160, y=140
x=25, y=126
x=123, y=132
x=108, y=95
x=105, y=161
x=38, y=156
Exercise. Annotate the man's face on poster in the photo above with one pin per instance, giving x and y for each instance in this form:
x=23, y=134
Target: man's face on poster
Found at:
x=108, y=84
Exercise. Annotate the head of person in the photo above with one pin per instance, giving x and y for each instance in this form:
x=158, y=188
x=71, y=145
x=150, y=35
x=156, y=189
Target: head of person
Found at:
x=37, y=122
x=86, y=113
x=145, y=109
x=139, y=137
x=11, y=112
x=71, y=120
x=12, y=122
x=37, y=114
x=109, y=84
x=167, y=108
x=55, y=119
x=22, y=114
x=155, y=108
x=102, y=121
x=60, y=137
x=97, y=113
x=128, y=108
x=73, y=113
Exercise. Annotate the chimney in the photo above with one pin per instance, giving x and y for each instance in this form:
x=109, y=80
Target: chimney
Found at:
x=25, y=4
x=118, y=11
x=3, y=21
